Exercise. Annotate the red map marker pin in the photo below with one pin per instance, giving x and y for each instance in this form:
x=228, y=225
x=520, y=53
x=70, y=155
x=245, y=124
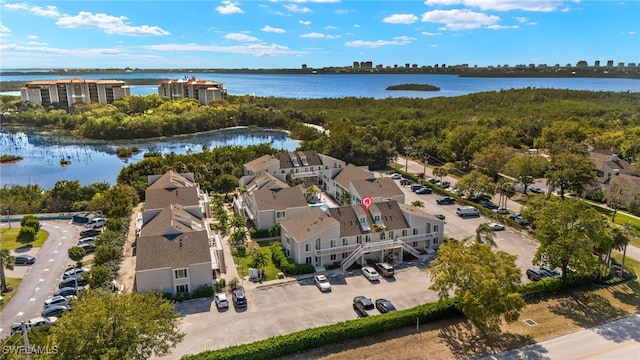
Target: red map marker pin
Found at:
x=367, y=201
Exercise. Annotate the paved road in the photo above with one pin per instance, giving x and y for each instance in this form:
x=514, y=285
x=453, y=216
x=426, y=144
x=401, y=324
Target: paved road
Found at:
x=615, y=340
x=40, y=280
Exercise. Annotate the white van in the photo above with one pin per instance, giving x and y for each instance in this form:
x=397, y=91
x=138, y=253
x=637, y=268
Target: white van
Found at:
x=96, y=222
x=465, y=211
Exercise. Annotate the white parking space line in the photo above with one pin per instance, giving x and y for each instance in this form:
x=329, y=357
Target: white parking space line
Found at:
x=46, y=269
x=20, y=313
x=32, y=299
x=37, y=289
x=41, y=280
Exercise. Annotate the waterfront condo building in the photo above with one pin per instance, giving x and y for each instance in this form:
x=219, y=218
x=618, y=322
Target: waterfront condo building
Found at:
x=69, y=92
x=204, y=91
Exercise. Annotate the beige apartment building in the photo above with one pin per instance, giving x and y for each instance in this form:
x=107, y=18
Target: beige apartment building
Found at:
x=69, y=92
x=204, y=91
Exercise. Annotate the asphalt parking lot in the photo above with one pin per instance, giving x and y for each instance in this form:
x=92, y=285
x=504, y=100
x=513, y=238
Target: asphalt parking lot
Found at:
x=284, y=308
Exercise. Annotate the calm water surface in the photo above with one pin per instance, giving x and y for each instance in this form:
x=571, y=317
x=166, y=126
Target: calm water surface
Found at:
x=93, y=161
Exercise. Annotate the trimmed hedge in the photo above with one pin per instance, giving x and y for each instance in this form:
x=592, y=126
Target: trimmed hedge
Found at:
x=282, y=262
x=540, y=289
x=283, y=345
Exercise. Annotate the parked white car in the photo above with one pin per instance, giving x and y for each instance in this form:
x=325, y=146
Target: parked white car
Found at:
x=322, y=283
x=496, y=227
x=221, y=301
x=370, y=273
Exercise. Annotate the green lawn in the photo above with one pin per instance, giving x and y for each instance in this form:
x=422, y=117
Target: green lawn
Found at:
x=270, y=271
x=9, y=236
x=13, y=284
x=628, y=262
x=622, y=219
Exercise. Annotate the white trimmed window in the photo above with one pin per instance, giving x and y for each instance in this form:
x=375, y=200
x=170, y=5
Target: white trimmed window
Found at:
x=307, y=247
x=436, y=228
x=180, y=273
x=280, y=214
x=180, y=289
x=333, y=243
x=345, y=241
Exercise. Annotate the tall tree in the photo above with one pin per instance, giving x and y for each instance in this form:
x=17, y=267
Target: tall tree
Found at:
x=564, y=240
x=440, y=172
x=259, y=260
x=99, y=277
x=526, y=169
x=7, y=261
x=26, y=235
x=30, y=221
x=122, y=326
x=484, y=282
x=76, y=254
x=476, y=183
x=492, y=158
x=570, y=171
x=620, y=192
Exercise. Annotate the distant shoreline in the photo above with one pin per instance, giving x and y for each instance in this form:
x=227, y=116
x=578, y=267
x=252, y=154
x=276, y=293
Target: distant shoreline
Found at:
x=414, y=87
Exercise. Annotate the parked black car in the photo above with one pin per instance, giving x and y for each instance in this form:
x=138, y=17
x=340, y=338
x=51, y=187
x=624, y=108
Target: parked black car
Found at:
x=56, y=310
x=424, y=190
x=239, y=299
x=90, y=232
x=361, y=304
x=72, y=281
x=88, y=247
x=385, y=306
x=445, y=200
x=24, y=259
x=68, y=291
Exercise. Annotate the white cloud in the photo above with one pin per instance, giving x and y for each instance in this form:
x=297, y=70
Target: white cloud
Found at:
x=399, y=40
x=229, y=7
x=433, y=45
x=107, y=23
x=426, y=33
x=58, y=51
x=4, y=29
x=241, y=37
x=400, y=19
x=459, y=19
x=47, y=11
x=253, y=49
x=356, y=25
x=343, y=11
x=35, y=43
x=304, y=22
x=631, y=33
x=503, y=5
x=297, y=9
x=32, y=37
x=521, y=19
x=330, y=27
x=268, y=28
x=501, y=27
x=313, y=35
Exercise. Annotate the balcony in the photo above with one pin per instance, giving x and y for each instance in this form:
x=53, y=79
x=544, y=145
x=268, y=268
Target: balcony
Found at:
x=335, y=250
x=419, y=237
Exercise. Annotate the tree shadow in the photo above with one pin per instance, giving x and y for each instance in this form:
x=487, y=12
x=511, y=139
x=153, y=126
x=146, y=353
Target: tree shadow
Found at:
x=587, y=309
x=627, y=294
x=621, y=330
x=466, y=342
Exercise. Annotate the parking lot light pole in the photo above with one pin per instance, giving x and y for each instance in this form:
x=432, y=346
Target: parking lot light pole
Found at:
x=8, y=220
x=407, y=151
x=424, y=170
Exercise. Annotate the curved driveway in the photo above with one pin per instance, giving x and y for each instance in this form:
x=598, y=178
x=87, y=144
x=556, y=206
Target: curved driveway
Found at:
x=40, y=280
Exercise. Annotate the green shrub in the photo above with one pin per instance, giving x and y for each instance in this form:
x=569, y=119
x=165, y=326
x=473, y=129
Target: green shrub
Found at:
x=202, y=291
x=282, y=262
x=259, y=234
x=543, y=288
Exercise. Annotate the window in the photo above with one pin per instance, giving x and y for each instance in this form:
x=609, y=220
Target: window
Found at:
x=415, y=244
x=362, y=220
x=180, y=274
x=344, y=255
x=382, y=235
x=184, y=288
x=376, y=218
x=404, y=232
x=415, y=231
x=345, y=241
x=288, y=241
x=307, y=260
x=307, y=247
x=436, y=228
x=333, y=257
x=435, y=241
x=391, y=234
x=333, y=243
x=280, y=214
x=359, y=239
x=367, y=238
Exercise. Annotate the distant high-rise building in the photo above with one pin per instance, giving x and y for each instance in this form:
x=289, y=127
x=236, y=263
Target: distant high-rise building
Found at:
x=304, y=66
x=356, y=65
x=68, y=92
x=203, y=90
x=609, y=64
x=597, y=64
x=582, y=64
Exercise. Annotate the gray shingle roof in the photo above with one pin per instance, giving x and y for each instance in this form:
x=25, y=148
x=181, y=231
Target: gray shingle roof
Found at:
x=309, y=224
x=172, y=219
x=171, y=188
x=377, y=187
x=390, y=214
x=174, y=252
x=260, y=163
x=277, y=198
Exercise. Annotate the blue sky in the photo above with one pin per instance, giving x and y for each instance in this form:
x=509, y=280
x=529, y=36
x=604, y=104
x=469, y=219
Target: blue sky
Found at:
x=319, y=33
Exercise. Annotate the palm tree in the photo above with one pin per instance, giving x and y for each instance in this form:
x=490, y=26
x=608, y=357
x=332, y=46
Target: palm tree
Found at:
x=311, y=193
x=621, y=240
x=238, y=222
x=6, y=261
x=239, y=237
x=345, y=198
x=484, y=235
x=274, y=230
x=259, y=260
x=417, y=203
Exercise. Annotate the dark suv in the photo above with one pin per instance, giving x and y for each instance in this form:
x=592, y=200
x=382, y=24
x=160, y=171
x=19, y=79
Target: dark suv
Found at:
x=239, y=299
x=361, y=304
x=445, y=200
